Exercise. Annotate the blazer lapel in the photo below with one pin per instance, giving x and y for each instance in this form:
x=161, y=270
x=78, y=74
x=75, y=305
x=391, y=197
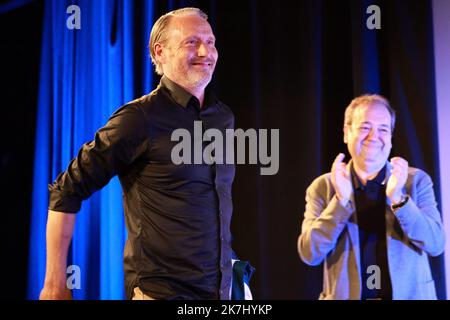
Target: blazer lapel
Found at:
x=352, y=227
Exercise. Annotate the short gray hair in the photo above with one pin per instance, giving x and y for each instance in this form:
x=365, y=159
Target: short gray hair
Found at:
x=368, y=99
x=160, y=28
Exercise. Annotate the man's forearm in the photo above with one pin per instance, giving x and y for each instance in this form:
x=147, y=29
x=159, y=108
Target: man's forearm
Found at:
x=59, y=234
x=320, y=233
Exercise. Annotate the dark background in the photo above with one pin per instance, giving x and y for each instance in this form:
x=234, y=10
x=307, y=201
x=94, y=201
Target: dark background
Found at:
x=290, y=66
x=20, y=47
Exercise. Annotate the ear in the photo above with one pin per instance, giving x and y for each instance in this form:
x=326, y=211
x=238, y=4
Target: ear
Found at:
x=345, y=134
x=159, y=53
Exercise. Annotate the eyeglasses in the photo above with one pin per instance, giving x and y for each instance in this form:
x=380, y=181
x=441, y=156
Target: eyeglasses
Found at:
x=366, y=129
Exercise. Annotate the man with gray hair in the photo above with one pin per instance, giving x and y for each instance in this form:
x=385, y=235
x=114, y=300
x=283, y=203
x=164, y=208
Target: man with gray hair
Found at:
x=177, y=216
x=373, y=222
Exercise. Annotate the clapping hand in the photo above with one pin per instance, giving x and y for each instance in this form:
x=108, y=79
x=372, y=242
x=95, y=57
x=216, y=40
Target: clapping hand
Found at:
x=397, y=180
x=341, y=180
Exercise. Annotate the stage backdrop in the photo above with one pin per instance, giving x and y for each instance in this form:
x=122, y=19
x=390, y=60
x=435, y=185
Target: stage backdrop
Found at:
x=290, y=66
x=441, y=26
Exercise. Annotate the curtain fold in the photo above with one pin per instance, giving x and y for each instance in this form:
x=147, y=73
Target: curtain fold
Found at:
x=86, y=75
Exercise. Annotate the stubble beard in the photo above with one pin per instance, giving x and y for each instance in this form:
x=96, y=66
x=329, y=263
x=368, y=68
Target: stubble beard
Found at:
x=196, y=80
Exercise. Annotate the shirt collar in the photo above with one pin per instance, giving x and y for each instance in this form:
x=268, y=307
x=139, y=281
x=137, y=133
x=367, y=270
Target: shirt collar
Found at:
x=379, y=179
x=183, y=97
x=177, y=92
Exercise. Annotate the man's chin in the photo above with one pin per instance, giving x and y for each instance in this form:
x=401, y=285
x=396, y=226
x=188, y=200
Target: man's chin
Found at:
x=200, y=79
x=374, y=162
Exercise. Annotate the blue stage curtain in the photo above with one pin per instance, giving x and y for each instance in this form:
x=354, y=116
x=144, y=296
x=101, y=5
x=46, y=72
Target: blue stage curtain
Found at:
x=85, y=76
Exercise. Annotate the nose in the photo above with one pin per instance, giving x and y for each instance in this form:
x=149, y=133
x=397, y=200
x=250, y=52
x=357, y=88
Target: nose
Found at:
x=373, y=134
x=202, y=50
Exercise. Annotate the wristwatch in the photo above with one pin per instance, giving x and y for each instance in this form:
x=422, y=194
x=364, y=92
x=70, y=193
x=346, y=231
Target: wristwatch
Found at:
x=400, y=204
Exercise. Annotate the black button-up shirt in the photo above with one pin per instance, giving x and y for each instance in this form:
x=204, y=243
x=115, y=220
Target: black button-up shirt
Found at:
x=177, y=216
x=370, y=202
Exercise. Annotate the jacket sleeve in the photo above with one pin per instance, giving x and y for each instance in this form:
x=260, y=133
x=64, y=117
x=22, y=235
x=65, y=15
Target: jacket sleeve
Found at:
x=122, y=140
x=419, y=218
x=323, y=222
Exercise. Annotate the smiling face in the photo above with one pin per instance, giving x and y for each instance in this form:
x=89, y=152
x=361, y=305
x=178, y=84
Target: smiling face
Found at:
x=189, y=55
x=369, y=136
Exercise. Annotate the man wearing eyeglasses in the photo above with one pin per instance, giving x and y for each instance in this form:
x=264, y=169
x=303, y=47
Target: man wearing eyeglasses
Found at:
x=373, y=222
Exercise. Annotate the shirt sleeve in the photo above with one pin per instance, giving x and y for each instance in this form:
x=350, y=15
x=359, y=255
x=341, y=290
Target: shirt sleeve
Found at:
x=115, y=146
x=420, y=219
x=324, y=220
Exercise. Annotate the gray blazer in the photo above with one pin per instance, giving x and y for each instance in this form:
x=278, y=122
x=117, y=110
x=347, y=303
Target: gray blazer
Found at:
x=330, y=235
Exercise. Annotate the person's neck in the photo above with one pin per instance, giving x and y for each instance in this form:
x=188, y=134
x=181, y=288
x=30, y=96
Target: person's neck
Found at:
x=198, y=92
x=366, y=173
